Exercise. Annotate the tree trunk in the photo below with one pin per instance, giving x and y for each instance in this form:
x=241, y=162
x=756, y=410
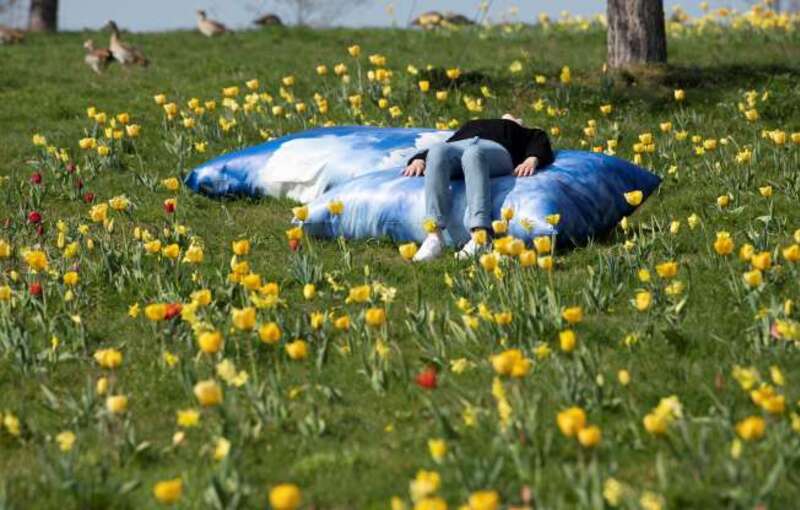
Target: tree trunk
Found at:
x=636, y=32
x=43, y=15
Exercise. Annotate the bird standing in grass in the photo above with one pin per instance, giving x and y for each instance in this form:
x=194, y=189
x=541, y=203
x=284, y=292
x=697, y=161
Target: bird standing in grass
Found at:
x=123, y=53
x=97, y=58
x=268, y=20
x=209, y=27
x=11, y=35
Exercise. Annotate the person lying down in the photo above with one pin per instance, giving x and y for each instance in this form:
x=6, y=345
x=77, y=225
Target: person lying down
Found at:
x=480, y=150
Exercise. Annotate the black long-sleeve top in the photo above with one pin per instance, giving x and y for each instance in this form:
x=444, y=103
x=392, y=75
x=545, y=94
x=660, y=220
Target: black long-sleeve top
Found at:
x=519, y=141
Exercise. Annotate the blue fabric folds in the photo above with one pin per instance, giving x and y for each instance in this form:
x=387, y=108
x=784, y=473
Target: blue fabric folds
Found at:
x=360, y=166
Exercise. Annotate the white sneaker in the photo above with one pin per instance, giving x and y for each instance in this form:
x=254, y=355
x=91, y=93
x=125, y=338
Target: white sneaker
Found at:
x=470, y=250
x=431, y=248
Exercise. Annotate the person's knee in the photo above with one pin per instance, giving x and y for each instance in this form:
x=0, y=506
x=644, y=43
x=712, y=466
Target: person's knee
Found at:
x=440, y=156
x=473, y=158
x=440, y=150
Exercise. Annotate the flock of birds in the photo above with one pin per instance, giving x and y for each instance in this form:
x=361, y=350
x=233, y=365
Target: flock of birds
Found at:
x=98, y=59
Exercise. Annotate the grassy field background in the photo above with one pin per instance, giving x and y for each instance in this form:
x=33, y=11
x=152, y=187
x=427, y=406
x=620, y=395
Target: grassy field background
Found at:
x=325, y=428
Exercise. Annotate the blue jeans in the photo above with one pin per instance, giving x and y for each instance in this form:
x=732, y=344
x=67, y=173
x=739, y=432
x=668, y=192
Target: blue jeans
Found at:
x=476, y=161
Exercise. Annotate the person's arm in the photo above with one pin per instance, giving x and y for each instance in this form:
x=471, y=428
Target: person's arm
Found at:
x=538, y=146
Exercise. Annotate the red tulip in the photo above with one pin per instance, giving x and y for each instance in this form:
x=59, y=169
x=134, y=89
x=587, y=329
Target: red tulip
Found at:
x=71, y=167
x=36, y=178
x=88, y=197
x=427, y=379
x=34, y=217
x=173, y=310
x=294, y=244
x=35, y=289
x=169, y=207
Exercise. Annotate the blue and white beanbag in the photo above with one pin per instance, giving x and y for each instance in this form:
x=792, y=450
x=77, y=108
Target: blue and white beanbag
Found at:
x=584, y=188
x=303, y=165
x=360, y=166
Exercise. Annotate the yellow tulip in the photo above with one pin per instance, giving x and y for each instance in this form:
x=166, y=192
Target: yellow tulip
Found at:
x=309, y=291
x=407, y=251
x=208, y=393
x=543, y=244
x=71, y=278
x=590, y=437
x=480, y=237
x=270, y=333
x=360, y=294
x=500, y=227
x=571, y=421
x=210, y=342
x=168, y=492
x=285, y=496
x=489, y=261
x=297, y=350
x=300, y=213
x=634, y=198
x=762, y=260
x=567, y=340
x=116, y=404
x=188, y=418
x=171, y=251
x=437, y=448
x=643, y=300
x=483, y=500
x=792, y=253
x=723, y=245
x=572, y=315
x=155, y=312
x=108, y=358
x=527, y=258
x=244, y=319
x=336, y=207
x=667, y=270
x=65, y=440
x=751, y=428
x=753, y=278
x=375, y=317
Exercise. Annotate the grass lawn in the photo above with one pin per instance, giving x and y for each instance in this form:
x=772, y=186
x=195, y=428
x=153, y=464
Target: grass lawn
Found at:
x=349, y=425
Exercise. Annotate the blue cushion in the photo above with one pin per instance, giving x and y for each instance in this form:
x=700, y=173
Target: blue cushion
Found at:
x=303, y=165
x=360, y=166
x=584, y=188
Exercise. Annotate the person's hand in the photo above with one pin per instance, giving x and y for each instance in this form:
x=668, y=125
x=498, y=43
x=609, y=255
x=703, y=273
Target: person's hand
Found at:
x=415, y=169
x=527, y=167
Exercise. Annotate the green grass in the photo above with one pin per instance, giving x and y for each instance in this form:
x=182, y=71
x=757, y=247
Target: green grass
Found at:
x=373, y=442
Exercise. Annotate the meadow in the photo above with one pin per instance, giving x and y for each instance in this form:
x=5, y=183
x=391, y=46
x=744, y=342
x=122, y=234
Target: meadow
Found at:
x=158, y=347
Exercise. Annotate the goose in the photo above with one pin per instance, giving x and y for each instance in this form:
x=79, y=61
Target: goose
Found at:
x=268, y=20
x=209, y=27
x=10, y=35
x=428, y=20
x=124, y=53
x=457, y=19
x=97, y=58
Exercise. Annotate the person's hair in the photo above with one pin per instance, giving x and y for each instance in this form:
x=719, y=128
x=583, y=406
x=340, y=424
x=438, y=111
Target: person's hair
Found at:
x=510, y=116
